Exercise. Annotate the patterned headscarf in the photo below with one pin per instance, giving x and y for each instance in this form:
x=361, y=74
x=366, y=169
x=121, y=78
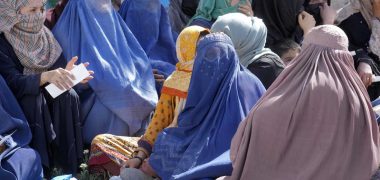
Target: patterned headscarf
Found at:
x=33, y=43
x=178, y=83
x=366, y=9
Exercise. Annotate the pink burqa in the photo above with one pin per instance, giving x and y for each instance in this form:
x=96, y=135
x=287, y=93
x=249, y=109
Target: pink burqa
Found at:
x=314, y=123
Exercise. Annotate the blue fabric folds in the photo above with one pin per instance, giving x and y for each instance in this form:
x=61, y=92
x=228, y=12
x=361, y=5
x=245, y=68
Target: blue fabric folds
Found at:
x=17, y=161
x=221, y=94
x=376, y=103
x=149, y=22
x=124, y=83
x=165, y=3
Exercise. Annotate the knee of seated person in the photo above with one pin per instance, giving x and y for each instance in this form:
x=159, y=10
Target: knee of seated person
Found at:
x=99, y=138
x=71, y=94
x=29, y=155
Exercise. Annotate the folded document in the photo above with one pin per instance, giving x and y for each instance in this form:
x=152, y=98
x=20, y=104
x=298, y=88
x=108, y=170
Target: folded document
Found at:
x=80, y=73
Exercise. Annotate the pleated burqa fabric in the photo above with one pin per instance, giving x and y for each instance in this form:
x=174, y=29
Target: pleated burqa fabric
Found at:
x=314, y=123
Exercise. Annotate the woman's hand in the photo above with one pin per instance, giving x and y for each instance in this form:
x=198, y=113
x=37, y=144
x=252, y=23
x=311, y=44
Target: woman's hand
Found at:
x=147, y=169
x=306, y=21
x=246, y=8
x=158, y=77
x=365, y=73
x=62, y=78
x=328, y=14
x=132, y=163
x=71, y=64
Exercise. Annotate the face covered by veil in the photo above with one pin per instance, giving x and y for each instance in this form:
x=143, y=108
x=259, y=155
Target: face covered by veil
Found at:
x=124, y=83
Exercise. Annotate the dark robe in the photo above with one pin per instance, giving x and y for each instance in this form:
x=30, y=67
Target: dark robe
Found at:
x=281, y=19
x=189, y=7
x=53, y=14
x=55, y=123
x=180, y=12
x=359, y=34
x=266, y=69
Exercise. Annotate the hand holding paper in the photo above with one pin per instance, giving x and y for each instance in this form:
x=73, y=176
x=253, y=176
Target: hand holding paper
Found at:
x=79, y=73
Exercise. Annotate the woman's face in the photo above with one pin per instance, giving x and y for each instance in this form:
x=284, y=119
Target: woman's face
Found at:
x=33, y=7
x=290, y=55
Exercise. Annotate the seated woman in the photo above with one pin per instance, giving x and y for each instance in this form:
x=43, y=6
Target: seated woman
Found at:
x=360, y=20
x=180, y=12
x=17, y=160
x=221, y=93
x=315, y=122
x=122, y=97
x=30, y=58
x=110, y=152
x=209, y=10
x=149, y=23
x=249, y=36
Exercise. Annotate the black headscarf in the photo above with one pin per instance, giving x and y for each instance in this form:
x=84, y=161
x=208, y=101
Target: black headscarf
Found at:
x=314, y=9
x=180, y=12
x=281, y=19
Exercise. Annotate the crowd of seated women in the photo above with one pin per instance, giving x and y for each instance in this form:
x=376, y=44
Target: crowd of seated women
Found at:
x=191, y=89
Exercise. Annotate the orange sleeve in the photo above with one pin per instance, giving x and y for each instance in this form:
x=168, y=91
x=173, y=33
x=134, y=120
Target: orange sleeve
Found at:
x=162, y=118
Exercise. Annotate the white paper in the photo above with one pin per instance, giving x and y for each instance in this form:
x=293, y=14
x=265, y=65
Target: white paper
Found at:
x=375, y=78
x=80, y=73
x=377, y=109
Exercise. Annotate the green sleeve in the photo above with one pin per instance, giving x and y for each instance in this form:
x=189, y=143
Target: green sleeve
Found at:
x=204, y=10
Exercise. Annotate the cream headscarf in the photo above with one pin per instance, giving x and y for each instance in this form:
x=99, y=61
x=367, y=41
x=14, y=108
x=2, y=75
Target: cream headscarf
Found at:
x=33, y=43
x=366, y=9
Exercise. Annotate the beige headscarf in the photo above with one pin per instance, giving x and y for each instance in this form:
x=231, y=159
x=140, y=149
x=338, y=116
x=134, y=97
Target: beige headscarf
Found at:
x=366, y=9
x=33, y=43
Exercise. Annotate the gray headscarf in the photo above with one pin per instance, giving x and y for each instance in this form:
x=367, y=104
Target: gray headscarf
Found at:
x=248, y=35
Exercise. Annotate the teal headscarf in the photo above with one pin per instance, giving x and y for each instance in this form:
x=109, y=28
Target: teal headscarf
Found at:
x=210, y=10
x=248, y=35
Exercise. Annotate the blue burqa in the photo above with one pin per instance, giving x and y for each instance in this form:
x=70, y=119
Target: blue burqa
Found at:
x=165, y=3
x=123, y=83
x=374, y=104
x=149, y=22
x=221, y=94
x=18, y=161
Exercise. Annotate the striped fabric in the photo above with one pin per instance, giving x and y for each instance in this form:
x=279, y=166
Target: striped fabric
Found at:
x=33, y=43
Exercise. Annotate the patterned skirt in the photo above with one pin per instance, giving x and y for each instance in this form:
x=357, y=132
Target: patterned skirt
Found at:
x=109, y=153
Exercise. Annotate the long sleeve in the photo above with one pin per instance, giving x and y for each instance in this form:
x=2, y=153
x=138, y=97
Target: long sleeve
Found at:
x=12, y=71
x=162, y=118
x=19, y=83
x=204, y=10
